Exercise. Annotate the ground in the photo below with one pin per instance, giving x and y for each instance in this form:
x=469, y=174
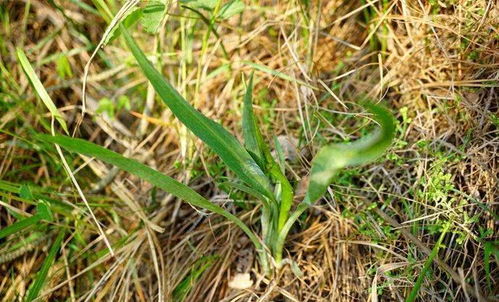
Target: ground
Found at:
x=423, y=216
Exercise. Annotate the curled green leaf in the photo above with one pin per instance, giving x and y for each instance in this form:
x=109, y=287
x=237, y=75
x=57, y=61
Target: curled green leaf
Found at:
x=331, y=158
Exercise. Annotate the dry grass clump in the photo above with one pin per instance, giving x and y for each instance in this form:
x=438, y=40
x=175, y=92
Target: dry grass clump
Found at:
x=433, y=62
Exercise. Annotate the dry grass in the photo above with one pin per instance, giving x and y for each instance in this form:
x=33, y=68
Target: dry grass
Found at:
x=433, y=63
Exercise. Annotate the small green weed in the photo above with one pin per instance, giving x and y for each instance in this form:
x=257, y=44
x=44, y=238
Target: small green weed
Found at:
x=259, y=174
x=111, y=108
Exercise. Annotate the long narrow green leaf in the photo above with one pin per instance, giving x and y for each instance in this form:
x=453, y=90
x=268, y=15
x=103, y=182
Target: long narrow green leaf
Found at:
x=278, y=74
x=41, y=276
x=426, y=267
x=18, y=226
x=104, y=10
x=184, y=287
x=39, y=89
x=43, y=213
x=255, y=145
x=212, y=133
x=253, y=140
x=285, y=197
x=148, y=174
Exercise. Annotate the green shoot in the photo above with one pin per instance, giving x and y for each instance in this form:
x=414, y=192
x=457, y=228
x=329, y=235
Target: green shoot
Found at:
x=426, y=267
x=212, y=133
x=184, y=287
x=40, y=90
x=41, y=276
x=43, y=213
x=253, y=164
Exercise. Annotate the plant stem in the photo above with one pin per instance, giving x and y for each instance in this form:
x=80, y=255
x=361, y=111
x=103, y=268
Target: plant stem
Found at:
x=279, y=245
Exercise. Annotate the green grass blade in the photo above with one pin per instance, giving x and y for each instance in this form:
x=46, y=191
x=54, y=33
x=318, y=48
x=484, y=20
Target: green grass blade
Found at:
x=285, y=196
x=426, y=267
x=277, y=74
x=39, y=89
x=212, y=29
x=330, y=159
x=490, y=248
x=86, y=7
x=184, y=287
x=281, y=159
x=212, y=133
x=18, y=226
x=43, y=213
x=25, y=192
x=283, y=233
x=41, y=276
x=253, y=140
x=148, y=174
x=255, y=145
x=104, y=10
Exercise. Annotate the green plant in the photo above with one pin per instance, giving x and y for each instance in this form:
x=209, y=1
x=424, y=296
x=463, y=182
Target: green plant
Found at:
x=108, y=106
x=427, y=265
x=42, y=274
x=42, y=213
x=259, y=174
x=184, y=287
